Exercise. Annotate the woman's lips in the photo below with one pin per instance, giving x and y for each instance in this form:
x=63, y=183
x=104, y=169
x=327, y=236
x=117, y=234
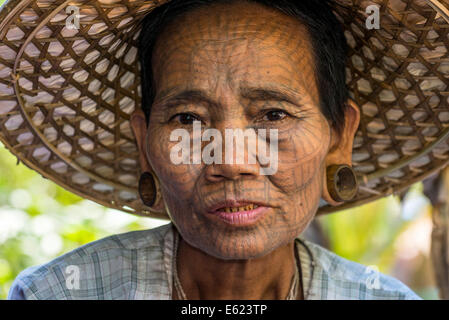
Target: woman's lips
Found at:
x=240, y=214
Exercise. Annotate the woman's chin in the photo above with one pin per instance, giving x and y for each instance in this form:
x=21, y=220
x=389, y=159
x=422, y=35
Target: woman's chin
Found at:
x=238, y=248
x=228, y=236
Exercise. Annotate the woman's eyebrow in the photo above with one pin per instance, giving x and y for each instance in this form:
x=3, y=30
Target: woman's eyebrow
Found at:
x=273, y=94
x=252, y=93
x=187, y=95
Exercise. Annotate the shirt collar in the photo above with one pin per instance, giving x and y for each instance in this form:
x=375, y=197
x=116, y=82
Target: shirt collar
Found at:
x=306, y=260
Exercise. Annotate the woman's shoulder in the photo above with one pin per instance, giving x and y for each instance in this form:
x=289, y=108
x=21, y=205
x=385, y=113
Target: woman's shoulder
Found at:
x=334, y=277
x=86, y=272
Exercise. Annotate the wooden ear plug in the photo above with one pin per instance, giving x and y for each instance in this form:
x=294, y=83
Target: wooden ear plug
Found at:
x=147, y=189
x=342, y=182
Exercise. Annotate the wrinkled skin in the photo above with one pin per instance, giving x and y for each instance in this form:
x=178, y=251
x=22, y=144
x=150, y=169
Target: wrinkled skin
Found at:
x=240, y=65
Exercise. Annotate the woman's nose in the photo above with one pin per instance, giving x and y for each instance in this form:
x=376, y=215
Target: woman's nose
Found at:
x=220, y=172
x=238, y=158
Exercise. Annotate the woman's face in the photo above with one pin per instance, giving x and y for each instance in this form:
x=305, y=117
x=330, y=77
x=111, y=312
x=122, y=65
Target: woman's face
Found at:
x=238, y=66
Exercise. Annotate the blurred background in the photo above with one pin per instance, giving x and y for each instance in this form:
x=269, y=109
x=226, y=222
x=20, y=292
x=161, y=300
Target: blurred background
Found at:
x=40, y=221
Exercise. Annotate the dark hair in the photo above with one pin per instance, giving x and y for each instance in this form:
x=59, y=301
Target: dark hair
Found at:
x=326, y=34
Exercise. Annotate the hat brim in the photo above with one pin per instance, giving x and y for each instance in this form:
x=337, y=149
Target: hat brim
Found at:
x=66, y=95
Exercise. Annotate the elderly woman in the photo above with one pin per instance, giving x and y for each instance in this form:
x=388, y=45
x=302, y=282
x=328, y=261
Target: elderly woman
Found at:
x=274, y=68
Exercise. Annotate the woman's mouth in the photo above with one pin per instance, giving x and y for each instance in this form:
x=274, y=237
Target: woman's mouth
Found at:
x=237, y=214
x=238, y=209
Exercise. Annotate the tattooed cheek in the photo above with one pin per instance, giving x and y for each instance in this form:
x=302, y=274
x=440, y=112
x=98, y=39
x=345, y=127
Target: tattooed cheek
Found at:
x=177, y=186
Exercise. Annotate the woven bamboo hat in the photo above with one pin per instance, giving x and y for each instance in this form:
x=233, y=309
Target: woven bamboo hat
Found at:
x=66, y=95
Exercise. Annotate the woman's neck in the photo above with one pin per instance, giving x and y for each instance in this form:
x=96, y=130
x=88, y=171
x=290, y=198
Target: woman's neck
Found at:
x=207, y=278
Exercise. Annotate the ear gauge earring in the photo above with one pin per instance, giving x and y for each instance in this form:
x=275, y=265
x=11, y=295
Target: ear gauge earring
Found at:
x=342, y=182
x=147, y=189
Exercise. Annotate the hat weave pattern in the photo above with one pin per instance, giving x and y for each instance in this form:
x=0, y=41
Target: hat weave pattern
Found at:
x=66, y=94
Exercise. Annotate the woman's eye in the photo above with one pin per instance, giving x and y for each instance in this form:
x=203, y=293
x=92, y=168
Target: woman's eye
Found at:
x=185, y=118
x=274, y=115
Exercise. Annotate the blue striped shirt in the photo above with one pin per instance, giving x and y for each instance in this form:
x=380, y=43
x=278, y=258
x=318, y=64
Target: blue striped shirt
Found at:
x=138, y=265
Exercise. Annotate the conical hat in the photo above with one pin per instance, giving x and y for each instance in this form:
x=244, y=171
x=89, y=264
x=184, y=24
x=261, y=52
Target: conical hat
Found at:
x=66, y=95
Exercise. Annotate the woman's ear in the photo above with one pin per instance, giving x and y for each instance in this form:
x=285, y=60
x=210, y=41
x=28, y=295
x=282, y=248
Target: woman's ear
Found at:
x=340, y=148
x=139, y=126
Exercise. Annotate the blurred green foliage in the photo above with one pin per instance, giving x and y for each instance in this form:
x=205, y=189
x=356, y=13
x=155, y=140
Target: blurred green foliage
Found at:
x=40, y=221
x=391, y=235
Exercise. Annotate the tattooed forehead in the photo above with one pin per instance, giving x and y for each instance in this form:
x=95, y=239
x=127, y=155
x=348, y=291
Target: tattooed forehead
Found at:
x=232, y=19
x=242, y=42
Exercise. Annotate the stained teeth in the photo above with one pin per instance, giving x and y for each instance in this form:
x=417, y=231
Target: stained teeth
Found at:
x=237, y=209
